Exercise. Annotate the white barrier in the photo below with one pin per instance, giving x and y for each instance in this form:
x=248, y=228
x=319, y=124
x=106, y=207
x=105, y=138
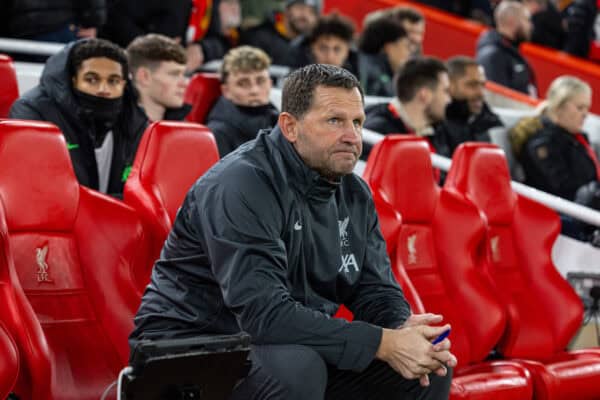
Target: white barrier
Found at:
x=31, y=47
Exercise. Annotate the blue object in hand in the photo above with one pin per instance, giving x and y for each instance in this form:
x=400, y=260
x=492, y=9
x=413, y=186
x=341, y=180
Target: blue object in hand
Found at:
x=441, y=337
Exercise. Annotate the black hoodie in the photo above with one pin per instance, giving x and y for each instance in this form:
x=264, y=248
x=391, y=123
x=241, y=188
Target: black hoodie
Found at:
x=53, y=100
x=504, y=64
x=264, y=244
x=234, y=125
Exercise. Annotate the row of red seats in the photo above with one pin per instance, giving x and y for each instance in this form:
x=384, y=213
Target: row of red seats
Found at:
x=480, y=254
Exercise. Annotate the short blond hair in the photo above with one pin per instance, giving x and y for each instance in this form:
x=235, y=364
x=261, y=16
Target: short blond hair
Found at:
x=563, y=89
x=244, y=59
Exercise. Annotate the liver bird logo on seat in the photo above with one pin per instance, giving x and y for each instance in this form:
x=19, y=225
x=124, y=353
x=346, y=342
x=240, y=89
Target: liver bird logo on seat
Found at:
x=411, y=246
x=43, y=275
x=494, y=243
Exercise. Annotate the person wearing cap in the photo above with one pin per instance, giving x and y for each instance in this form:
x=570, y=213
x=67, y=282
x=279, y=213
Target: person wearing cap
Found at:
x=275, y=34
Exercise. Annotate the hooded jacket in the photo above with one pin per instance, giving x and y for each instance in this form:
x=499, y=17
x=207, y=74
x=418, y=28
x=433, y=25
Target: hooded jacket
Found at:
x=26, y=18
x=552, y=158
x=461, y=126
x=504, y=64
x=264, y=244
x=233, y=125
x=375, y=75
x=53, y=100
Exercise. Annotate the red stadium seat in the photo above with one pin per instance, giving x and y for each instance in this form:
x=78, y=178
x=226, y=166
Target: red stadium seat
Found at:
x=202, y=93
x=437, y=249
x=9, y=362
x=170, y=158
x=67, y=266
x=9, y=89
x=544, y=312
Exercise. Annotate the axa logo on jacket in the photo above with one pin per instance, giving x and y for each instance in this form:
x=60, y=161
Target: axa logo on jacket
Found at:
x=348, y=259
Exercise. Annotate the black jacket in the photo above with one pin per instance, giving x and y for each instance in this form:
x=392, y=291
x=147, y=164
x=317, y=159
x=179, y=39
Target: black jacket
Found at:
x=375, y=75
x=552, y=158
x=53, y=101
x=128, y=19
x=581, y=15
x=381, y=120
x=460, y=126
x=25, y=18
x=266, y=37
x=234, y=125
x=548, y=29
x=264, y=244
x=504, y=64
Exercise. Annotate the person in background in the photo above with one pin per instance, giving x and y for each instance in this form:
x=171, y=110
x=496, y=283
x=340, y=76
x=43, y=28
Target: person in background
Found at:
x=422, y=94
x=468, y=116
x=411, y=20
x=128, y=19
x=275, y=34
x=84, y=90
x=548, y=26
x=555, y=153
x=57, y=21
x=580, y=17
x=498, y=49
x=330, y=42
x=384, y=47
x=222, y=34
x=244, y=108
x=273, y=238
x=157, y=65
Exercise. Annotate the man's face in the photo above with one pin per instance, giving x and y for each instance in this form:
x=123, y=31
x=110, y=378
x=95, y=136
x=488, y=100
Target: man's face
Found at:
x=248, y=88
x=100, y=77
x=524, y=26
x=440, y=97
x=398, y=52
x=329, y=136
x=416, y=34
x=230, y=14
x=301, y=18
x=166, y=84
x=470, y=87
x=329, y=49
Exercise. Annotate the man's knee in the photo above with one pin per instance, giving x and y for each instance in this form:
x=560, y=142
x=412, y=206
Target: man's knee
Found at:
x=300, y=370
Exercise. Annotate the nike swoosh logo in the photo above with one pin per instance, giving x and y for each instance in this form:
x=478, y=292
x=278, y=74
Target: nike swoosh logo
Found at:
x=72, y=146
x=297, y=226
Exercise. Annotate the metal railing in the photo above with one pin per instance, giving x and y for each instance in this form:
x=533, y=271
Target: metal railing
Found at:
x=32, y=47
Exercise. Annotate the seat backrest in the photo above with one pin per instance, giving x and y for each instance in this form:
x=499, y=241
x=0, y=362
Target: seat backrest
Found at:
x=543, y=311
x=68, y=267
x=9, y=89
x=170, y=158
x=9, y=362
x=438, y=244
x=202, y=93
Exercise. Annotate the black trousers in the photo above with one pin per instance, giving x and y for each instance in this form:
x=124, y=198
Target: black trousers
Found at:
x=293, y=372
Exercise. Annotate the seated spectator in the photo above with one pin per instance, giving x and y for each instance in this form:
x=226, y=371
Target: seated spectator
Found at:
x=468, y=117
x=384, y=47
x=422, y=94
x=274, y=35
x=221, y=35
x=128, y=19
x=157, y=65
x=548, y=27
x=63, y=21
x=330, y=42
x=498, y=49
x=411, y=20
x=84, y=91
x=556, y=156
x=244, y=108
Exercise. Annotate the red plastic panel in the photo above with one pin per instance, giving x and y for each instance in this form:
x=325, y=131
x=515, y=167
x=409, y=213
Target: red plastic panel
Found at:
x=9, y=362
x=9, y=89
x=202, y=92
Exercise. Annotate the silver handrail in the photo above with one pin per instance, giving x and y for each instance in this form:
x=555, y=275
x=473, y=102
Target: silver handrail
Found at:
x=35, y=47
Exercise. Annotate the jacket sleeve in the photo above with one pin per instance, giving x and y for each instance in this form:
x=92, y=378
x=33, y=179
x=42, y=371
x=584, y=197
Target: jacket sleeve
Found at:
x=242, y=230
x=378, y=299
x=91, y=13
x=547, y=169
x=495, y=65
x=21, y=109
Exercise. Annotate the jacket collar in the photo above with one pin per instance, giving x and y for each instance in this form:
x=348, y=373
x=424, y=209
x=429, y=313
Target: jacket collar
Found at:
x=305, y=179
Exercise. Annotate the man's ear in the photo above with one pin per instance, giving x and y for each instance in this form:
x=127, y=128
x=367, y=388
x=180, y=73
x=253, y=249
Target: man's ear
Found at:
x=289, y=126
x=425, y=94
x=142, y=76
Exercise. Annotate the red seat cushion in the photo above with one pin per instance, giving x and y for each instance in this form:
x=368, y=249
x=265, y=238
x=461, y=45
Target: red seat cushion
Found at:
x=543, y=311
x=9, y=362
x=71, y=254
x=9, y=89
x=170, y=158
x=437, y=247
x=202, y=93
